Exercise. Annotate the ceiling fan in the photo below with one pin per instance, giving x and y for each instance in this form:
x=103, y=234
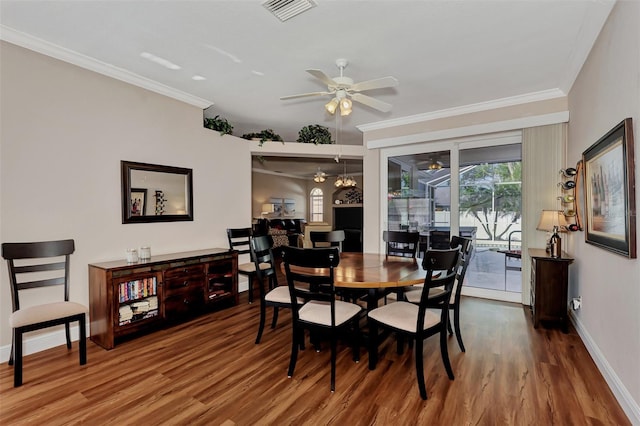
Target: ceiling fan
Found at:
x=430, y=164
x=344, y=90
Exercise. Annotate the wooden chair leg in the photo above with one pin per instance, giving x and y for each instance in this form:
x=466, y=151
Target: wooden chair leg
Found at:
x=13, y=345
x=333, y=361
x=67, y=333
x=399, y=343
x=275, y=317
x=420, y=368
x=444, y=350
x=17, y=359
x=456, y=323
x=294, y=351
x=373, y=344
x=251, y=279
x=83, y=339
x=263, y=314
x=356, y=341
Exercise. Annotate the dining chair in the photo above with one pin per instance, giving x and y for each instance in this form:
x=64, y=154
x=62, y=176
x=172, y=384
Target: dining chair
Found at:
x=239, y=240
x=327, y=239
x=416, y=321
x=36, y=265
x=401, y=243
x=277, y=296
x=454, y=301
x=322, y=313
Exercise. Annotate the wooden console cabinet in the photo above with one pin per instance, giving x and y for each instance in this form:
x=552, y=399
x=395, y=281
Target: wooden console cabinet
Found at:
x=549, y=288
x=128, y=298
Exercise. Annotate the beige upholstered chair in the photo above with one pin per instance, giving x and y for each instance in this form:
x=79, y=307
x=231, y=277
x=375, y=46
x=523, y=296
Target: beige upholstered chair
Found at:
x=276, y=296
x=416, y=321
x=454, y=301
x=239, y=240
x=36, y=265
x=322, y=312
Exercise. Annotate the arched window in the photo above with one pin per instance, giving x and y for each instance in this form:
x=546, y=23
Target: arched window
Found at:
x=316, y=205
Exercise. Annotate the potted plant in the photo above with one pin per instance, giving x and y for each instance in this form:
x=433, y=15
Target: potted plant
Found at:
x=263, y=136
x=315, y=133
x=219, y=124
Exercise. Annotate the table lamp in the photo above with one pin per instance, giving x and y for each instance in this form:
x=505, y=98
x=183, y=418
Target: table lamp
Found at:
x=267, y=209
x=552, y=221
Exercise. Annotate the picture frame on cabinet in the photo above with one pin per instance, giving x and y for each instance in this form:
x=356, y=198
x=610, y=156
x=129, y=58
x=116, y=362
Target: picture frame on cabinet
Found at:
x=138, y=202
x=609, y=191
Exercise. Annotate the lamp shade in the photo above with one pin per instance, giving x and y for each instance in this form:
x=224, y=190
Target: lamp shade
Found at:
x=550, y=219
x=267, y=208
x=331, y=106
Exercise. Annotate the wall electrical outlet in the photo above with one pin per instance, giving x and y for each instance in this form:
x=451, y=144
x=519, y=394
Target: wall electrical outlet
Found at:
x=576, y=303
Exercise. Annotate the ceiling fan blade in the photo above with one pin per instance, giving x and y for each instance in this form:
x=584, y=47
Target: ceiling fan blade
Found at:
x=371, y=102
x=378, y=83
x=320, y=75
x=304, y=95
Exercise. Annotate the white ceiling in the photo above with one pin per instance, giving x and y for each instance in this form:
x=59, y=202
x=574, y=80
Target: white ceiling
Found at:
x=445, y=54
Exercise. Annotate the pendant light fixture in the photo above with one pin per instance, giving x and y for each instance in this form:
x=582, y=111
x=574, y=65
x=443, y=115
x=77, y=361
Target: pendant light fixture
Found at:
x=345, y=181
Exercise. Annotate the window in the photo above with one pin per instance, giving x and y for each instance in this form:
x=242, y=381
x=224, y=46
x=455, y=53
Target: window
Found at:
x=317, y=205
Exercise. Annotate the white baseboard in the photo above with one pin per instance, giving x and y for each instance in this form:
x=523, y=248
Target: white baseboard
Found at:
x=626, y=401
x=41, y=342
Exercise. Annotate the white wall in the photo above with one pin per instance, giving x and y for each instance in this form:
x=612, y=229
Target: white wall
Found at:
x=606, y=91
x=64, y=132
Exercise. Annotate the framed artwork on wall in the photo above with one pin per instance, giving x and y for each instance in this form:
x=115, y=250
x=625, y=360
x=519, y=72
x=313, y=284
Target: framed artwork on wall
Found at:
x=138, y=202
x=609, y=185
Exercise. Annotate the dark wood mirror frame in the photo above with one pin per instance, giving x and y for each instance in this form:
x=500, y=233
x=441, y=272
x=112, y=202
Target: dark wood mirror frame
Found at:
x=127, y=217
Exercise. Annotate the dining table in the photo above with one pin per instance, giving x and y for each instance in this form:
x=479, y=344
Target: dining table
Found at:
x=376, y=273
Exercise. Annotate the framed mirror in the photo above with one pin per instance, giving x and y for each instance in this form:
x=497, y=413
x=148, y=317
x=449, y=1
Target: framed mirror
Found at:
x=155, y=193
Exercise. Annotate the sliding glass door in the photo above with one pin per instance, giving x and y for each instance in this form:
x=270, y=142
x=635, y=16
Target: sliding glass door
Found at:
x=469, y=187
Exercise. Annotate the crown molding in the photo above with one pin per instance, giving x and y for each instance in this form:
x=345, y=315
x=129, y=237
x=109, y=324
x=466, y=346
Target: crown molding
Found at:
x=477, y=129
x=465, y=109
x=44, y=47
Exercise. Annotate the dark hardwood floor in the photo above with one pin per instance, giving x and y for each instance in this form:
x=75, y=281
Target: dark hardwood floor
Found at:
x=209, y=371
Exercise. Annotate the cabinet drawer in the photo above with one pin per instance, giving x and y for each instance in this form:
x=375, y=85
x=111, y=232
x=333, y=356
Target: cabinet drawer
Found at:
x=181, y=303
x=184, y=271
x=182, y=283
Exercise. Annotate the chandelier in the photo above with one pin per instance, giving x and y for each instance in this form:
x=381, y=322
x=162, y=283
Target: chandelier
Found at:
x=320, y=176
x=345, y=181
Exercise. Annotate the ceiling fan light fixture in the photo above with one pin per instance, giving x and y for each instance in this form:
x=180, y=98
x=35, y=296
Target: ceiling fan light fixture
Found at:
x=331, y=106
x=345, y=106
x=435, y=166
x=320, y=176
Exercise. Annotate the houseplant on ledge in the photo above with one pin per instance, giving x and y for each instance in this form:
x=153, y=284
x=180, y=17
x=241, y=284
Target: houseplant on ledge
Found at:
x=314, y=133
x=219, y=124
x=263, y=136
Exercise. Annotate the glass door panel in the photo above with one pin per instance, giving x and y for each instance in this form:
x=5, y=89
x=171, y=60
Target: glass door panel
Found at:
x=490, y=202
x=419, y=196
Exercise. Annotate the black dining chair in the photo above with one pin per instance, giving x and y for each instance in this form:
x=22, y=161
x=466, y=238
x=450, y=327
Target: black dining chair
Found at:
x=36, y=265
x=417, y=321
x=327, y=239
x=466, y=251
x=239, y=239
x=401, y=243
x=275, y=296
x=321, y=313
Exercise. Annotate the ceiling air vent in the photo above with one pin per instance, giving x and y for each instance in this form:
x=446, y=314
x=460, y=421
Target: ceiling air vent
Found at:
x=287, y=9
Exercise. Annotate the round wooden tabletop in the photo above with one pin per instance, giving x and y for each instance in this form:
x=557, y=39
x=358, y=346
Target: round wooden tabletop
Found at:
x=372, y=270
